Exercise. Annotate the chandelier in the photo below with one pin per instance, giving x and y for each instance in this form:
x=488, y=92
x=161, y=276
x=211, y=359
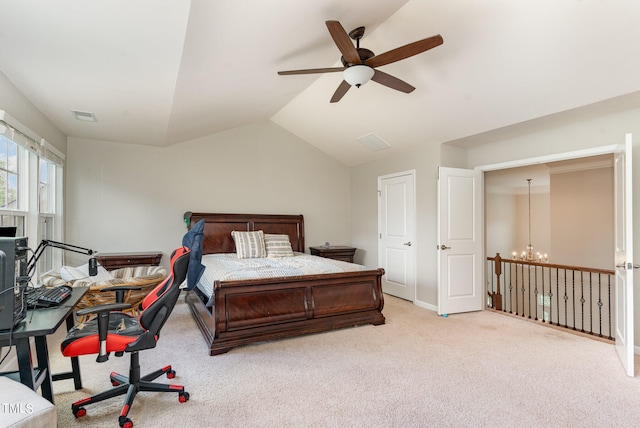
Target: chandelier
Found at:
x=528, y=255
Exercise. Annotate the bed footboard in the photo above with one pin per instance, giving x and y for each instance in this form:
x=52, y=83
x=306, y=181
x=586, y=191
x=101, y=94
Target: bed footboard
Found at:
x=252, y=311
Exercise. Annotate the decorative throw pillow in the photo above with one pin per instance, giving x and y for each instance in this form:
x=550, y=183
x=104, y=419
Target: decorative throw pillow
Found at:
x=249, y=244
x=277, y=245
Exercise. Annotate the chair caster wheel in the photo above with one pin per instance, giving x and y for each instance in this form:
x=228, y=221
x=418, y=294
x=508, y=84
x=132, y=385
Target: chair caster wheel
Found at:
x=126, y=423
x=171, y=374
x=79, y=412
x=183, y=397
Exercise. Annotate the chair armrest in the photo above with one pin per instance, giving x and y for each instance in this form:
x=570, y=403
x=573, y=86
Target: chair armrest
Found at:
x=103, y=308
x=103, y=312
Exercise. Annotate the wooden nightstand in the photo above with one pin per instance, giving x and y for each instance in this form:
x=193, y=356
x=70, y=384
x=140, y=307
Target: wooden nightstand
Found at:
x=336, y=252
x=111, y=261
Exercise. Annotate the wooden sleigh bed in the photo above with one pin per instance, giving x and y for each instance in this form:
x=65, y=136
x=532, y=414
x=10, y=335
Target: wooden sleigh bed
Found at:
x=255, y=310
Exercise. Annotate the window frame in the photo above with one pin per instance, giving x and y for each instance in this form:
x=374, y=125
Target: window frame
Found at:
x=31, y=222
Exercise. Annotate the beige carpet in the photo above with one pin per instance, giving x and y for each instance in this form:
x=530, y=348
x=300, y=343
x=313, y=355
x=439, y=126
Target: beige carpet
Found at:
x=418, y=370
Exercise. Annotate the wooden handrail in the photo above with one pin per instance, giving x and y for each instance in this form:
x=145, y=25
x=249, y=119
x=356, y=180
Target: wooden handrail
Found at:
x=552, y=265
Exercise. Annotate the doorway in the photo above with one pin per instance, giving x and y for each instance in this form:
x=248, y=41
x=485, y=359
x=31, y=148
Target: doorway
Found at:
x=623, y=237
x=396, y=234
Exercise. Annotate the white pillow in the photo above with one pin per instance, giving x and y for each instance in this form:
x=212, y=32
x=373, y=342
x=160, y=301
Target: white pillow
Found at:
x=70, y=274
x=277, y=245
x=249, y=244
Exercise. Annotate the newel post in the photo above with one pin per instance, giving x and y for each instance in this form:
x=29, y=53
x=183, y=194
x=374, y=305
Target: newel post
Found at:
x=496, y=298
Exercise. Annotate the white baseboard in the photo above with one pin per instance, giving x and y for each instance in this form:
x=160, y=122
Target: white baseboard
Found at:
x=426, y=305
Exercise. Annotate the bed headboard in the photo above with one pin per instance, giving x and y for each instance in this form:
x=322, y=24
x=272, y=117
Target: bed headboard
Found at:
x=218, y=228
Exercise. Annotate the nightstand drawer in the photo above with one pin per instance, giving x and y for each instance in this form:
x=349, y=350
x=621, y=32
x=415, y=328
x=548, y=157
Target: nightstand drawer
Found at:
x=336, y=252
x=111, y=261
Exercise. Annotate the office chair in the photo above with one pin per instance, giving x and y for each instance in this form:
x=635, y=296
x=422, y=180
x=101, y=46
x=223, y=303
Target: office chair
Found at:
x=119, y=332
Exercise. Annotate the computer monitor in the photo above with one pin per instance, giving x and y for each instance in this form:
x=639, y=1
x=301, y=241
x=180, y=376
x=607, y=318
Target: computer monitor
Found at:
x=8, y=231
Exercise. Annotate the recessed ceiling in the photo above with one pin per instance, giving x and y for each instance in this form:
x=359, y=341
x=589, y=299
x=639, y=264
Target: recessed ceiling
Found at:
x=162, y=72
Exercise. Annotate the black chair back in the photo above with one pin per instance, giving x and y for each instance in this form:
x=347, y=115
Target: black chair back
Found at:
x=159, y=304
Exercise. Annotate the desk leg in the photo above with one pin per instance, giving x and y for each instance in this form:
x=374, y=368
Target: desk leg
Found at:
x=25, y=363
x=75, y=363
x=42, y=351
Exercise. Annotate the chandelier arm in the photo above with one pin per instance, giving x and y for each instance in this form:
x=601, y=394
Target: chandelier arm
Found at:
x=528, y=255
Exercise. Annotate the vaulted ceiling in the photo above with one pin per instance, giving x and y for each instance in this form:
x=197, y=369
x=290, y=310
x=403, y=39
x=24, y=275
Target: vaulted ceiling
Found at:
x=158, y=72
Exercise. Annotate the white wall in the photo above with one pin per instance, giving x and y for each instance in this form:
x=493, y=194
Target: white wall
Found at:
x=22, y=109
x=583, y=218
x=501, y=224
x=123, y=197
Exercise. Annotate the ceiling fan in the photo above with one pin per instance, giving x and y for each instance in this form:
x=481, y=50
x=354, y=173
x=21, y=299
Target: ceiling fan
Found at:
x=360, y=64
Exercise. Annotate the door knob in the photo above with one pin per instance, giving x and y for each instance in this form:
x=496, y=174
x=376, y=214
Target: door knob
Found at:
x=444, y=247
x=408, y=244
x=628, y=266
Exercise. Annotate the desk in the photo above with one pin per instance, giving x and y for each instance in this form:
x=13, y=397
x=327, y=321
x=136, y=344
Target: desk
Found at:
x=39, y=323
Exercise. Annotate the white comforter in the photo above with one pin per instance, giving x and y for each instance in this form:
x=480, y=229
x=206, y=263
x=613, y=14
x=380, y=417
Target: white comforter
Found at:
x=226, y=267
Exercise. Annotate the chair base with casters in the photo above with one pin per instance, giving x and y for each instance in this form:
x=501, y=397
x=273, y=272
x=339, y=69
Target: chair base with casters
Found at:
x=114, y=331
x=130, y=386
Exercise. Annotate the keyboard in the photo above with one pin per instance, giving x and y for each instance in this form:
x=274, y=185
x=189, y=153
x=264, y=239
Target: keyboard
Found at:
x=43, y=297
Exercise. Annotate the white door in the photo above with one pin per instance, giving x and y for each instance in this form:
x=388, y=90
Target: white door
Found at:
x=460, y=241
x=396, y=233
x=624, y=256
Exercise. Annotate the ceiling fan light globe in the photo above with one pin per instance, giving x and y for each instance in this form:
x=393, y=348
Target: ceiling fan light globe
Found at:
x=357, y=75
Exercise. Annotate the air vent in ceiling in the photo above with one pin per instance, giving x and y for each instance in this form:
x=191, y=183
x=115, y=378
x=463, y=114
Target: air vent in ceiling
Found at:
x=84, y=116
x=373, y=142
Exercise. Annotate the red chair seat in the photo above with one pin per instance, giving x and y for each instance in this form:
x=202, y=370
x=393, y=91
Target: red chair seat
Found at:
x=83, y=338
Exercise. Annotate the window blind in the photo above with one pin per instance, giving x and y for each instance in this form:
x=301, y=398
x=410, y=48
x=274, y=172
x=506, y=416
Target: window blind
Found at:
x=23, y=136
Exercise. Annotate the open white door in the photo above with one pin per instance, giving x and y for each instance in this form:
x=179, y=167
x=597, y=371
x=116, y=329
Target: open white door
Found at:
x=460, y=241
x=624, y=256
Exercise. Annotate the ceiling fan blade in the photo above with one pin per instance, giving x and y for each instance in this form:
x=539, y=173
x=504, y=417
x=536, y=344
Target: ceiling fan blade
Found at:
x=311, y=71
x=392, y=82
x=339, y=93
x=405, y=51
x=342, y=40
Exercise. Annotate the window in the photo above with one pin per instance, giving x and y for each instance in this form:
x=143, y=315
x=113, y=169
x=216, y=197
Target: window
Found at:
x=12, y=163
x=47, y=186
x=31, y=189
x=8, y=174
